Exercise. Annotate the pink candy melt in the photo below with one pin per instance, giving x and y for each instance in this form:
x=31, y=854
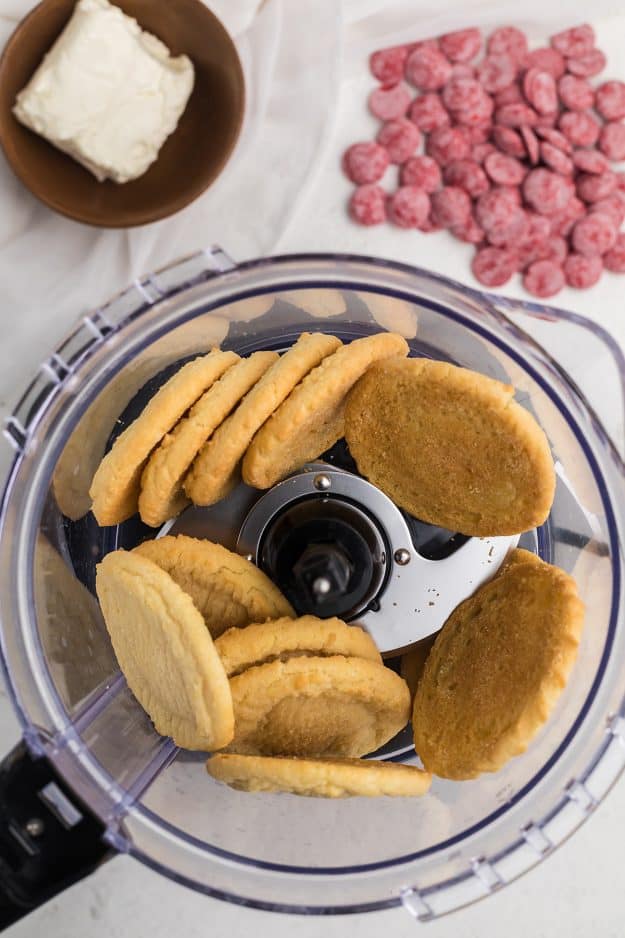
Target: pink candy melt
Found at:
x=614, y=259
x=427, y=68
x=612, y=141
x=408, y=207
x=581, y=271
x=575, y=93
x=594, y=234
x=531, y=144
x=548, y=60
x=367, y=205
x=504, y=170
x=389, y=103
x=365, y=162
x=610, y=100
x=518, y=155
x=400, y=138
x=496, y=72
x=428, y=113
x=450, y=206
x=494, y=266
x=461, y=46
x=588, y=64
x=555, y=159
x=508, y=141
x=510, y=41
x=468, y=231
x=576, y=41
x=546, y=191
x=447, y=144
x=421, y=171
x=594, y=187
x=580, y=128
x=468, y=175
x=544, y=278
x=613, y=205
x=539, y=88
x=388, y=64
x=590, y=161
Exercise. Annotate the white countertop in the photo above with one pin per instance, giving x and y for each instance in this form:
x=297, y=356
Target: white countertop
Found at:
x=576, y=892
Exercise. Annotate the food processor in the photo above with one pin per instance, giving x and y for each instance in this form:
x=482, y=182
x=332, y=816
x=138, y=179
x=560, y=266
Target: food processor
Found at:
x=93, y=778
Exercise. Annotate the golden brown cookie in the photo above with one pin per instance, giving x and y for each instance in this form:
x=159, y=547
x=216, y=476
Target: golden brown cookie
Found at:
x=451, y=447
x=115, y=487
x=162, y=496
x=516, y=557
x=259, y=643
x=216, y=468
x=496, y=670
x=311, y=419
x=227, y=589
x=320, y=778
x=311, y=706
x=413, y=662
x=165, y=652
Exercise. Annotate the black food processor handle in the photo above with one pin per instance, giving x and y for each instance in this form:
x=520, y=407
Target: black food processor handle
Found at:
x=48, y=839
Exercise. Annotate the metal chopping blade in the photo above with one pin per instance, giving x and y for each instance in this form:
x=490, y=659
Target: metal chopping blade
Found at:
x=336, y=545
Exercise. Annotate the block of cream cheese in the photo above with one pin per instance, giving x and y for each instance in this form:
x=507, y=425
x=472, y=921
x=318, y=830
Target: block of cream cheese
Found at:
x=107, y=93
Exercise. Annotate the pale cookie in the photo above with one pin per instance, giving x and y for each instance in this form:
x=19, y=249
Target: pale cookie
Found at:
x=216, y=468
x=165, y=652
x=228, y=590
x=259, y=643
x=311, y=706
x=450, y=446
x=413, y=662
x=162, y=496
x=496, y=670
x=115, y=487
x=311, y=419
x=320, y=778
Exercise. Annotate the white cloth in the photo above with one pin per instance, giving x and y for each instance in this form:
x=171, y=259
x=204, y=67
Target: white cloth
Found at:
x=53, y=270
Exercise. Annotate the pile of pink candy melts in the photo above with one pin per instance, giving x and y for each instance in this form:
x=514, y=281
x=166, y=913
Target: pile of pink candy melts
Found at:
x=517, y=154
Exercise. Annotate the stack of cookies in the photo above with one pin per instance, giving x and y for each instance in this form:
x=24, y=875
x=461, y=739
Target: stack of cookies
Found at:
x=296, y=701
x=214, y=652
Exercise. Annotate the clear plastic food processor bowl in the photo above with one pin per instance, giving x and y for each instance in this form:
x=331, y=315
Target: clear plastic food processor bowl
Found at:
x=431, y=854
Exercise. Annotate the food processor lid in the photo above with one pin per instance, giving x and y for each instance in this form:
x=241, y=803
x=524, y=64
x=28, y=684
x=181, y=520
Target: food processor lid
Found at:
x=206, y=299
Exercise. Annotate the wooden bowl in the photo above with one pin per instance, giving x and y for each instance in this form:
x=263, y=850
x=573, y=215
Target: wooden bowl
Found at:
x=190, y=159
